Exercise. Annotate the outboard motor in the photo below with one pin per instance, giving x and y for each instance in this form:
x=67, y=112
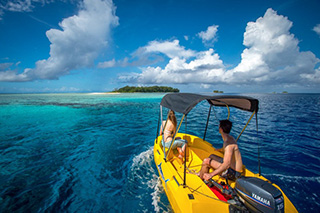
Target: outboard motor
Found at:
x=259, y=195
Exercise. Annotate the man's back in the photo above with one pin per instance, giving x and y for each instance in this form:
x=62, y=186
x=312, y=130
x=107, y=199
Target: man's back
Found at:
x=236, y=159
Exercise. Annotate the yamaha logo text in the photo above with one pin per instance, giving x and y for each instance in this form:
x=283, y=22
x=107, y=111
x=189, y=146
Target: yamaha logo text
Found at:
x=261, y=199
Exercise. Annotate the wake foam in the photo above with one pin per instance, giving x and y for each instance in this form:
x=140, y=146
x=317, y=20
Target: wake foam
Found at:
x=156, y=195
x=144, y=178
x=144, y=175
x=144, y=159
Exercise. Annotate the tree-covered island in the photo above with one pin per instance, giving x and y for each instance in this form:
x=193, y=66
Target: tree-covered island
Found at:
x=128, y=89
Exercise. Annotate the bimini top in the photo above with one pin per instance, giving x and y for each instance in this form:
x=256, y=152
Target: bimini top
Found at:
x=184, y=102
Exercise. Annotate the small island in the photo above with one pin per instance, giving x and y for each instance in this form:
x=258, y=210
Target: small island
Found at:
x=217, y=91
x=283, y=92
x=152, y=89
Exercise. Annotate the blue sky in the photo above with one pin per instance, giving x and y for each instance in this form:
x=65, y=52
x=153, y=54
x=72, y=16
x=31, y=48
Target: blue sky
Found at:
x=193, y=45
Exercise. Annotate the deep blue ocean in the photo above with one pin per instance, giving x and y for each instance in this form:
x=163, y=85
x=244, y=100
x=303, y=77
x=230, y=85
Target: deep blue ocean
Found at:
x=94, y=152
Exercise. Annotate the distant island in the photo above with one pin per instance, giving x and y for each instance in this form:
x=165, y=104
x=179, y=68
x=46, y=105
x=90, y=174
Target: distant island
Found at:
x=128, y=89
x=284, y=92
x=217, y=91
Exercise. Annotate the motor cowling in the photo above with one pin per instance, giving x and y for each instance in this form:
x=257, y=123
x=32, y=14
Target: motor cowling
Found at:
x=259, y=195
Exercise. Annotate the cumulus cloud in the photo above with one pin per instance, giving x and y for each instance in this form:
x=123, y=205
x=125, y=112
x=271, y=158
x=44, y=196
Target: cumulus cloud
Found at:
x=12, y=75
x=151, y=54
x=271, y=56
x=209, y=37
x=206, y=67
x=272, y=53
x=171, y=49
x=76, y=46
x=314, y=77
x=317, y=29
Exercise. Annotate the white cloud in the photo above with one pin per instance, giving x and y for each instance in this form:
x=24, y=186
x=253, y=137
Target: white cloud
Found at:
x=315, y=77
x=272, y=53
x=209, y=36
x=77, y=45
x=11, y=75
x=205, y=86
x=171, y=49
x=25, y=6
x=18, y=5
x=206, y=67
x=272, y=57
x=317, y=29
x=15, y=6
x=150, y=54
x=107, y=64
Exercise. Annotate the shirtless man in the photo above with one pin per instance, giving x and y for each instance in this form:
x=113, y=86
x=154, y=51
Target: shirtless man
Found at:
x=231, y=163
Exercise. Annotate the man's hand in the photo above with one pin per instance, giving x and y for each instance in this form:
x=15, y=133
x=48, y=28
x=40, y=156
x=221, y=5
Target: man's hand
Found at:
x=207, y=176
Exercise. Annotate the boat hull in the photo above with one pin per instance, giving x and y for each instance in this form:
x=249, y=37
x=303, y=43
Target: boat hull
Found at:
x=194, y=195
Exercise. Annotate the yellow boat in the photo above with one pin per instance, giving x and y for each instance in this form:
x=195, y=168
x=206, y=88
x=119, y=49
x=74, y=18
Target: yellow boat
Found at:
x=186, y=192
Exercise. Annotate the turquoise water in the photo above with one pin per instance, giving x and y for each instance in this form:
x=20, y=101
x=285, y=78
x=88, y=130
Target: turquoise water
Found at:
x=93, y=152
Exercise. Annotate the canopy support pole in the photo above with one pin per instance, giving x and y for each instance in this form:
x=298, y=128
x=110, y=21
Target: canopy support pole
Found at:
x=205, y=131
x=245, y=125
x=161, y=114
x=185, y=161
x=158, y=127
x=228, y=111
x=258, y=145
